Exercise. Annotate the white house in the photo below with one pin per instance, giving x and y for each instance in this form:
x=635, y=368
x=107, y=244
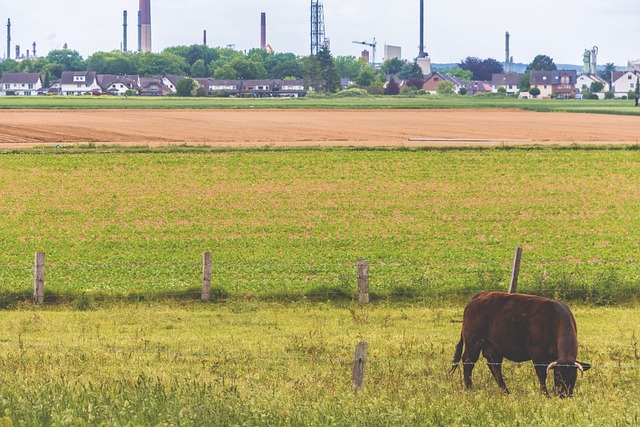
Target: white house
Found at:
x=584, y=81
x=511, y=82
x=20, y=84
x=79, y=83
x=623, y=82
x=118, y=85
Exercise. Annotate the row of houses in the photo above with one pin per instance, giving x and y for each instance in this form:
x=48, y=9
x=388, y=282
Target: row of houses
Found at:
x=90, y=83
x=559, y=83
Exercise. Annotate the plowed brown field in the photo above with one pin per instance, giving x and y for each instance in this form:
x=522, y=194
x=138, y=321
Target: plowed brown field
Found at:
x=22, y=128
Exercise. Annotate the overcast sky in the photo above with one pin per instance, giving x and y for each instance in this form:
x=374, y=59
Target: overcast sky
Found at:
x=454, y=29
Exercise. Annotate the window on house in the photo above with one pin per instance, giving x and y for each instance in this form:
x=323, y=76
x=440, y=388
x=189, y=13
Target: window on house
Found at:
x=7, y=85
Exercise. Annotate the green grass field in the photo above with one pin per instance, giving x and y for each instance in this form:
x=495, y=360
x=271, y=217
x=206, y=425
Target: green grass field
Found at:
x=129, y=225
x=291, y=223
x=247, y=363
x=624, y=107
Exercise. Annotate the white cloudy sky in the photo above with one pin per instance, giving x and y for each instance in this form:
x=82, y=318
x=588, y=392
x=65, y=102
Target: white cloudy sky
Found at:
x=454, y=29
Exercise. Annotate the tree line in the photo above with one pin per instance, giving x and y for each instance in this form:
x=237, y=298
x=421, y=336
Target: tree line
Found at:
x=323, y=71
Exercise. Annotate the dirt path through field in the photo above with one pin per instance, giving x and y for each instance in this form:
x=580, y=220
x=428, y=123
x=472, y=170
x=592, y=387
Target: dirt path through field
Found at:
x=22, y=128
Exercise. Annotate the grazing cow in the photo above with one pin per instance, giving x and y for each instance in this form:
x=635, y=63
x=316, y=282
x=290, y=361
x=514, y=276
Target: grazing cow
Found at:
x=519, y=328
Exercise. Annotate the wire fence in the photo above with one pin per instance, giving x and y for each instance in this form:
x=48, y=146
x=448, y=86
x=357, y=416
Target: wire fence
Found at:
x=605, y=279
x=304, y=358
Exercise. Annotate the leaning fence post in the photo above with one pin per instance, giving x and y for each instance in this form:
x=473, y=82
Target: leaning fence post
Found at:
x=38, y=278
x=207, y=266
x=359, y=365
x=515, y=271
x=363, y=281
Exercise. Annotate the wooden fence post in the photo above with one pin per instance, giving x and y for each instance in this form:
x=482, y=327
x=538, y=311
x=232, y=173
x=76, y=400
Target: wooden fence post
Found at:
x=515, y=272
x=38, y=278
x=207, y=267
x=363, y=281
x=359, y=365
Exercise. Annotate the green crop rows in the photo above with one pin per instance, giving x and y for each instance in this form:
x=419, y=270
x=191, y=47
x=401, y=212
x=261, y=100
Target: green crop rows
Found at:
x=291, y=223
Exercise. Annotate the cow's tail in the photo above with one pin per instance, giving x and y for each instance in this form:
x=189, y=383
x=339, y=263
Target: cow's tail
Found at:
x=457, y=356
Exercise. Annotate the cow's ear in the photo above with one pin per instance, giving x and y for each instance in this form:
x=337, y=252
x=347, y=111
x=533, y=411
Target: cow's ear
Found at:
x=585, y=366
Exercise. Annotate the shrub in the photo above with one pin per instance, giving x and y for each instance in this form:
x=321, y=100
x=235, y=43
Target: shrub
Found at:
x=609, y=95
x=352, y=93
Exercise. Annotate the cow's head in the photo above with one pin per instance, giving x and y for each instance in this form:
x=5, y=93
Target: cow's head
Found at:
x=565, y=375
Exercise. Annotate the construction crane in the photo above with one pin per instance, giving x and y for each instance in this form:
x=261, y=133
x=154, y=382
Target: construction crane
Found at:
x=373, y=45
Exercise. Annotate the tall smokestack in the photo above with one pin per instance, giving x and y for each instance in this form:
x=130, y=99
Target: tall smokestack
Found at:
x=263, y=31
x=17, y=51
x=204, y=37
x=145, y=25
x=34, y=50
x=8, y=54
x=139, y=31
x=507, y=62
x=422, y=53
x=124, y=31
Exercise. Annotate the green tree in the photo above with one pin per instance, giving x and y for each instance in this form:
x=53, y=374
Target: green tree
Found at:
x=596, y=87
x=525, y=81
x=444, y=88
x=482, y=69
x=321, y=72
x=348, y=66
x=534, y=91
x=366, y=77
x=226, y=72
x=157, y=64
x=70, y=60
x=283, y=65
x=248, y=69
x=392, y=66
x=542, y=63
x=411, y=70
x=462, y=74
x=194, y=52
x=198, y=69
x=187, y=87
x=114, y=62
x=605, y=74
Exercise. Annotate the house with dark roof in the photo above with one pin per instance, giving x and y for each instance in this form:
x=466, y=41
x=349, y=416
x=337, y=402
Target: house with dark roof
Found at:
x=153, y=86
x=79, y=83
x=511, y=82
x=558, y=83
x=118, y=85
x=624, y=82
x=20, y=84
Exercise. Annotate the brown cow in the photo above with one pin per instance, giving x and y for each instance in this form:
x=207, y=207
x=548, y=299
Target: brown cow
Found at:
x=519, y=328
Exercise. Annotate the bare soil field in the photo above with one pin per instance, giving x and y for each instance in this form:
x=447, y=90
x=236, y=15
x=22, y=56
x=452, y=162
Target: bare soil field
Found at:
x=254, y=128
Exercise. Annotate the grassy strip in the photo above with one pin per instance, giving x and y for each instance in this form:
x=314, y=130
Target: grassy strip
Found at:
x=620, y=107
x=290, y=364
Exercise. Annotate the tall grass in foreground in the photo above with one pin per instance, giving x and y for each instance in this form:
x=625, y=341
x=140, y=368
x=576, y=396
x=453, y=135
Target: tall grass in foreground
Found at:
x=290, y=224
x=275, y=364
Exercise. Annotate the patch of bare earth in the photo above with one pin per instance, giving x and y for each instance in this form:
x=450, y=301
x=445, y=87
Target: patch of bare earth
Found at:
x=250, y=128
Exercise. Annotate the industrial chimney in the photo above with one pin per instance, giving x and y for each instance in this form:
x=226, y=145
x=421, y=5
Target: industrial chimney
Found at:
x=507, y=64
x=263, y=31
x=423, y=59
x=34, y=50
x=124, y=31
x=8, y=54
x=204, y=38
x=145, y=25
x=139, y=31
x=422, y=53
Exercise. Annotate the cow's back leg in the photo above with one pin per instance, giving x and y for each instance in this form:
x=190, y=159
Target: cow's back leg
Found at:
x=469, y=359
x=541, y=371
x=494, y=361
